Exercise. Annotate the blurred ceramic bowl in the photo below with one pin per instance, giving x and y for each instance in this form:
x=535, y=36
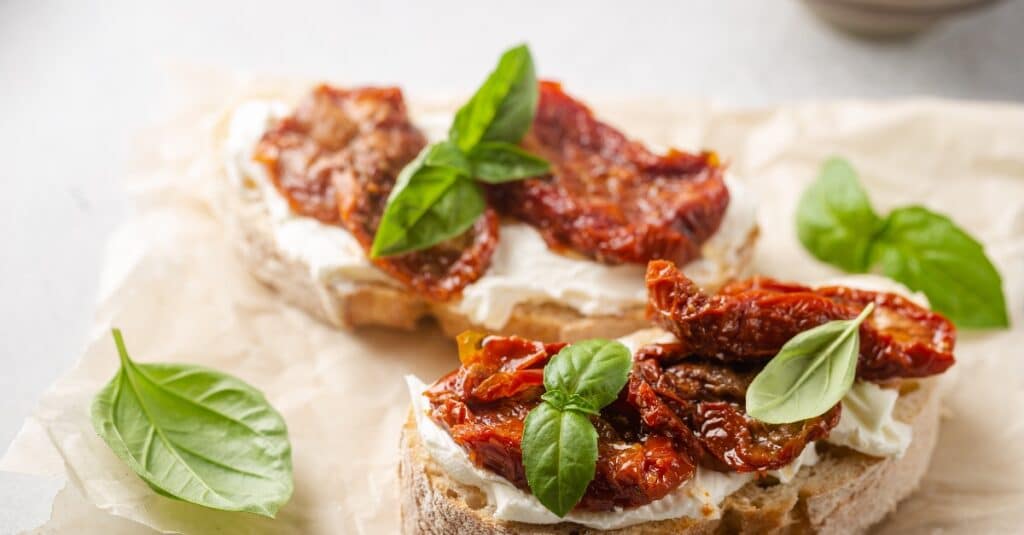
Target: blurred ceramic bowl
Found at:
x=889, y=18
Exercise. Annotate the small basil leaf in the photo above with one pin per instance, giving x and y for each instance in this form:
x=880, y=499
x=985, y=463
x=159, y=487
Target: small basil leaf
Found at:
x=835, y=220
x=592, y=371
x=502, y=108
x=560, y=456
x=428, y=206
x=811, y=373
x=495, y=162
x=557, y=398
x=196, y=435
x=930, y=253
x=446, y=154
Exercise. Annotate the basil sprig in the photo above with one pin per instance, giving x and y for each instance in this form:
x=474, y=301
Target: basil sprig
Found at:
x=810, y=374
x=922, y=249
x=196, y=435
x=436, y=196
x=559, y=441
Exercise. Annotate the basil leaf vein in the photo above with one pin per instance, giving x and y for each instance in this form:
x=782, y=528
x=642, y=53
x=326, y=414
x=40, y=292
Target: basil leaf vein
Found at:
x=811, y=373
x=196, y=435
x=445, y=154
x=563, y=456
x=495, y=162
x=502, y=108
x=928, y=252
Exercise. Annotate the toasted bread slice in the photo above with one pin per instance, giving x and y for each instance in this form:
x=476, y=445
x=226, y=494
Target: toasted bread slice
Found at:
x=357, y=303
x=845, y=492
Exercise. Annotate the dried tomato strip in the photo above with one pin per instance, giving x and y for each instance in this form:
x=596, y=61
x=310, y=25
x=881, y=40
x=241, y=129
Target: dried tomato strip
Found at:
x=707, y=399
x=671, y=417
x=752, y=320
x=336, y=159
x=610, y=198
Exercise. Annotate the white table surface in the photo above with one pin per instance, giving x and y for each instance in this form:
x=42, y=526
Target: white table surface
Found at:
x=77, y=80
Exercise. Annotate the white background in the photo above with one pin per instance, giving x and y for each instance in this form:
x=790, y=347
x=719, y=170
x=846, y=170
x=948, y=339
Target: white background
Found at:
x=77, y=79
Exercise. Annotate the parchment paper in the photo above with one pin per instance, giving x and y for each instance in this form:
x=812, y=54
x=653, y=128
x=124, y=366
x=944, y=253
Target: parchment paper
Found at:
x=174, y=286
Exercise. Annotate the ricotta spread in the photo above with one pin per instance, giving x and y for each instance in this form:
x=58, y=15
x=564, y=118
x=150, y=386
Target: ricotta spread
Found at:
x=867, y=424
x=522, y=269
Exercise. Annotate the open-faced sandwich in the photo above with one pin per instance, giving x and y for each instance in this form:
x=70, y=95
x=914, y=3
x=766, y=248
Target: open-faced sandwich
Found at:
x=528, y=215
x=766, y=407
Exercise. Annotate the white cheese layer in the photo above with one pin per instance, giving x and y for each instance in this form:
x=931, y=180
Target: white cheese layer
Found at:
x=522, y=269
x=867, y=424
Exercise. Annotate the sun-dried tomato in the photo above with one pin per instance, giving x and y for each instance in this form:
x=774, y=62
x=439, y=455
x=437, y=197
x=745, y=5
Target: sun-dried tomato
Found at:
x=707, y=399
x=752, y=320
x=747, y=445
x=364, y=132
x=669, y=419
x=631, y=473
x=336, y=159
x=610, y=198
x=484, y=402
x=495, y=367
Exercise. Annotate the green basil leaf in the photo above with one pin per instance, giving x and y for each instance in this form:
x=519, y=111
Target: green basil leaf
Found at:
x=811, y=373
x=502, y=108
x=446, y=154
x=429, y=205
x=495, y=162
x=930, y=253
x=835, y=220
x=560, y=456
x=196, y=435
x=591, y=371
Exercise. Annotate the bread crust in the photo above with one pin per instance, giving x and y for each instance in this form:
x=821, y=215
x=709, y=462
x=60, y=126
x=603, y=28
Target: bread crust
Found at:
x=350, y=304
x=845, y=492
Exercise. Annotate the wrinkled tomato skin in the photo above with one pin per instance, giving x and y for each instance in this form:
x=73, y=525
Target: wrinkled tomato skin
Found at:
x=607, y=197
x=702, y=402
x=335, y=132
x=494, y=436
x=746, y=445
x=629, y=474
x=915, y=341
x=336, y=159
x=751, y=320
x=665, y=423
